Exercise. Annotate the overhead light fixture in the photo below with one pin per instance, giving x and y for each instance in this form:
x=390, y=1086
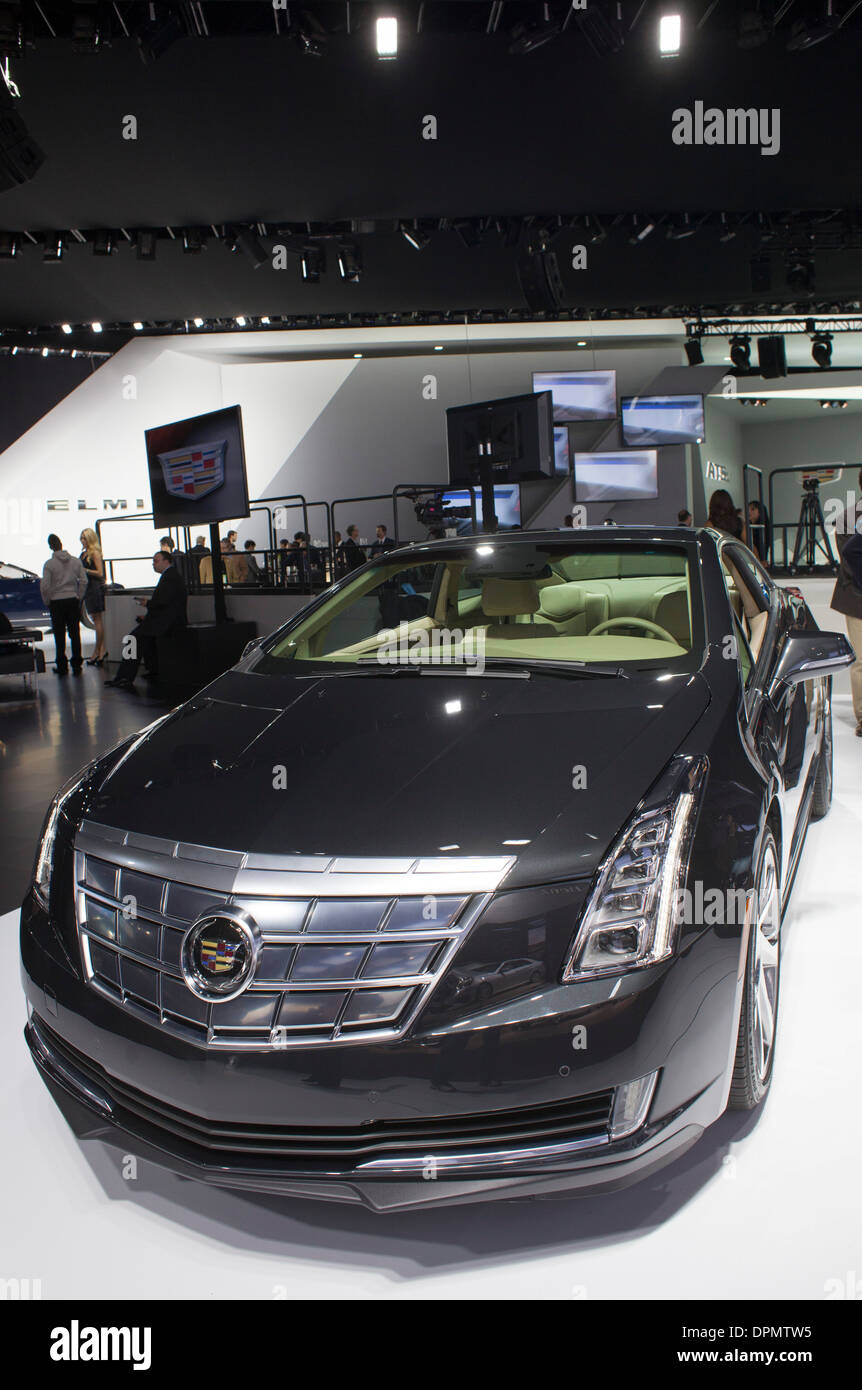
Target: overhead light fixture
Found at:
x=349, y=262
x=643, y=233
x=265, y=319
x=740, y=351
x=54, y=246
x=694, y=352
x=8, y=246
x=526, y=38
x=312, y=263
x=246, y=239
x=670, y=35
x=582, y=342
x=137, y=325
x=103, y=243
x=66, y=327
x=198, y=322
x=417, y=238
x=438, y=347
x=821, y=349
x=240, y=320
x=468, y=232
x=386, y=30
x=44, y=352
x=145, y=245
x=192, y=241
x=310, y=36
x=96, y=326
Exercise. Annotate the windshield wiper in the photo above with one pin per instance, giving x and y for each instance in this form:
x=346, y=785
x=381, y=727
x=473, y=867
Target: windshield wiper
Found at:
x=549, y=667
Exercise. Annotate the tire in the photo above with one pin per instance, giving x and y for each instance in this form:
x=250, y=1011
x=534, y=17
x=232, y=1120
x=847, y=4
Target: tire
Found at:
x=822, y=797
x=755, y=1043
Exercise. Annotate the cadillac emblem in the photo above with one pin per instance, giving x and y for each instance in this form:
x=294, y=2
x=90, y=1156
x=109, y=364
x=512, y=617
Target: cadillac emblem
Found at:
x=194, y=471
x=219, y=953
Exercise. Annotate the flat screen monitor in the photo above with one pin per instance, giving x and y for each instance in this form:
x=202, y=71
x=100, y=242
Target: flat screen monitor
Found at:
x=620, y=477
x=562, y=450
x=507, y=505
x=197, y=469
x=580, y=395
x=514, y=434
x=655, y=420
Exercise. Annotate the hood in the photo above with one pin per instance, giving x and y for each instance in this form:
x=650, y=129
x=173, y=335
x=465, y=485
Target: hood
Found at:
x=407, y=766
x=63, y=558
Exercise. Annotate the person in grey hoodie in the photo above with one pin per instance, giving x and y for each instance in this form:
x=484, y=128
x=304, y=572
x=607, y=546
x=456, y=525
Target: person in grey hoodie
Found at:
x=63, y=585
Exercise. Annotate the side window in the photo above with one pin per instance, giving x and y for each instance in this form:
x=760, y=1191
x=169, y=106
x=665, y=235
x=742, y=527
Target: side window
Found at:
x=743, y=651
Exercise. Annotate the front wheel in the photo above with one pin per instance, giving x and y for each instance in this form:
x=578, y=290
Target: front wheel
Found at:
x=755, y=1045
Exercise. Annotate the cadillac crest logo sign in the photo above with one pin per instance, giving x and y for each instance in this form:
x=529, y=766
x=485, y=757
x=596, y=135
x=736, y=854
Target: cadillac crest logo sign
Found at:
x=218, y=954
x=194, y=471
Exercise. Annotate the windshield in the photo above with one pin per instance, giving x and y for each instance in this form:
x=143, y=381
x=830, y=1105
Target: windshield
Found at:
x=495, y=600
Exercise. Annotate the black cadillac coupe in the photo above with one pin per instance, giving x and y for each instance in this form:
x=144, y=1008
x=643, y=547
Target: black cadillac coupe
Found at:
x=466, y=883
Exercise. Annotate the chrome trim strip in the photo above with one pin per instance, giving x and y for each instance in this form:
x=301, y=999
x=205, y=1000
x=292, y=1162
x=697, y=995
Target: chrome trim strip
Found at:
x=494, y=1158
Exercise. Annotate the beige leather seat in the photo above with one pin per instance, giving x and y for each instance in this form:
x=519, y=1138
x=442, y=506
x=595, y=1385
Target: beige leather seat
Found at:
x=516, y=601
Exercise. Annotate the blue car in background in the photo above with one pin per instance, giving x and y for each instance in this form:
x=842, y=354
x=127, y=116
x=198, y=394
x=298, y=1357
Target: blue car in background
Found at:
x=20, y=597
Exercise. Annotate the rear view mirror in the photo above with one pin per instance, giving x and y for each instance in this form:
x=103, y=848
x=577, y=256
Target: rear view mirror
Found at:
x=808, y=655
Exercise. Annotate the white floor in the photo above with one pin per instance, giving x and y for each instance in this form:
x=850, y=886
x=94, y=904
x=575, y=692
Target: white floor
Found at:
x=768, y=1208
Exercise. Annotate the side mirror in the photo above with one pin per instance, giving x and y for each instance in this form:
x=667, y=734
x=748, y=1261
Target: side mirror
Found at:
x=807, y=655
x=250, y=647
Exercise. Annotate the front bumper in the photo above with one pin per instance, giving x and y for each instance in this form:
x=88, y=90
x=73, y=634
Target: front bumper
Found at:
x=118, y=1080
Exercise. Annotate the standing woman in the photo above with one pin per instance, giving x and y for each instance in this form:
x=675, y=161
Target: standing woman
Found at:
x=94, y=598
x=724, y=516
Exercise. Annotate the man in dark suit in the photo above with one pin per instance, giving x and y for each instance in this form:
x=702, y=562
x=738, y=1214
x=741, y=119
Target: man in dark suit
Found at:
x=847, y=595
x=351, y=551
x=166, y=612
x=382, y=542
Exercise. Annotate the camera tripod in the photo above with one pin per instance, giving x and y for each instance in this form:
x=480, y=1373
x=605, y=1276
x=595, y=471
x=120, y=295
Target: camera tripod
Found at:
x=811, y=532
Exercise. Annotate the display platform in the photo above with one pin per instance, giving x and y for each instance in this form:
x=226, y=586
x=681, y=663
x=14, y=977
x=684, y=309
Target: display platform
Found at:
x=733, y=1218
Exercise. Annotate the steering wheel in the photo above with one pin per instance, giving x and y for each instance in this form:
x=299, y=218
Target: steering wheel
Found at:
x=662, y=632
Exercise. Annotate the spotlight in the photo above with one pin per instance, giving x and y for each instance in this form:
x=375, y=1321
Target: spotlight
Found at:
x=311, y=36
x=54, y=246
x=192, y=241
x=387, y=37
x=103, y=243
x=417, y=239
x=86, y=33
x=740, y=351
x=96, y=326
x=527, y=38
x=246, y=239
x=468, y=232
x=642, y=234
x=313, y=263
x=8, y=246
x=821, y=349
x=137, y=325
x=45, y=352
x=198, y=323
x=670, y=35
x=694, y=352
x=265, y=319
x=349, y=263
x=145, y=245
x=240, y=320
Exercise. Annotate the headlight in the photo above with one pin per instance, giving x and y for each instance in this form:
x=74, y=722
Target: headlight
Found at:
x=631, y=917
x=45, y=856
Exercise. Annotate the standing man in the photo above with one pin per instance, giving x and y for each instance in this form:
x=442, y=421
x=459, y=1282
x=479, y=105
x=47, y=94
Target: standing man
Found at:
x=166, y=612
x=382, y=543
x=354, y=555
x=847, y=596
x=63, y=585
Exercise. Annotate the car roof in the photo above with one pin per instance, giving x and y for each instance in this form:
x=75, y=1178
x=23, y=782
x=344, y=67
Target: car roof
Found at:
x=657, y=535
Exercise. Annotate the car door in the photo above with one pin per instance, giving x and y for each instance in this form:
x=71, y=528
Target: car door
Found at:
x=784, y=724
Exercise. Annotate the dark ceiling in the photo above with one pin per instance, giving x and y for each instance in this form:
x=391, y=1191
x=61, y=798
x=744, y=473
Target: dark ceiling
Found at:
x=242, y=125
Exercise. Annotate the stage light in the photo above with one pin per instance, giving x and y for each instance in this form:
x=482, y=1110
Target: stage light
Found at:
x=265, y=319
x=642, y=234
x=66, y=327
x=198, y=323
x=357, y=354
x=670, y=35
x=192, y=241
x=821, y=349
x=54, y=246
x=582, y=342
x=246, y=239
x=387, y=37
x=103, y=243
x=44, y=352
x=240, y=320
x=145, y=245
x=349, y=263
x=694, y=352
x=740, y=351
x=417, y=239
x=96, y=326
x=8, y=246
x=313, y=262
x=137, y=325
x=438, y=347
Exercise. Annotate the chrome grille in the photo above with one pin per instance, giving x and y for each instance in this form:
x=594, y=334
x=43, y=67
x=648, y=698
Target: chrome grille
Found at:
x=350, y=949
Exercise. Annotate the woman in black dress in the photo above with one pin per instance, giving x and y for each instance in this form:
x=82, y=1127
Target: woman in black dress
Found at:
x=94, y=598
